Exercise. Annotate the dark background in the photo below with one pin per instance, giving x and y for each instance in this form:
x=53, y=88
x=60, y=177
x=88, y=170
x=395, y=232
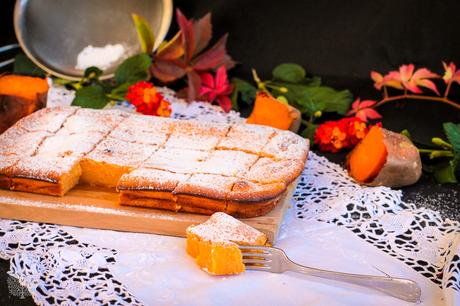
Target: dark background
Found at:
x=340, y=41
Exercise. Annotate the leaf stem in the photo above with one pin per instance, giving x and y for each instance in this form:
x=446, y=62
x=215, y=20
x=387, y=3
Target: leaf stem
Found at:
x=447, y=89
x=385, y=92
x=417, y=97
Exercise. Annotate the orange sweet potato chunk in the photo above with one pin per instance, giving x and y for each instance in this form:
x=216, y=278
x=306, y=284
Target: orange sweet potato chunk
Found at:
x=368, y=157
x=269, y=111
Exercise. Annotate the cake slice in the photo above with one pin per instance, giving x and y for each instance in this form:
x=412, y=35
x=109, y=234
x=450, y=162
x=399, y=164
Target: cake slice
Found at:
x=196, y=135
x=143, y=129
x=250, y=138
x=90, y=120
x=76, y=144
x=286, y=145
x=177, y=160
x=18, y=141
x=214, y=243
x=112, y=158
x=148, y=187
x=45, y=174
x=228, y=163
x=48, y=119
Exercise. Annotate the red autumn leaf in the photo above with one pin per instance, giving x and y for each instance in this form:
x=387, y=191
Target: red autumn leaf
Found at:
x=203, y=33
x=186, y=54
x=363, y=110
x=167, y=71
x=214, y=57
x=188, y=35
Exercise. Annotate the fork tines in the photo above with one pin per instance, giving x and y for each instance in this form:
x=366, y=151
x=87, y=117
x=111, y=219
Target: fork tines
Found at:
x=256, y=257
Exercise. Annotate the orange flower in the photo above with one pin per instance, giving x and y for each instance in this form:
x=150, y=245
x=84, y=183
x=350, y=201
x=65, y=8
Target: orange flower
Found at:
x=334, y=136
x=147, y=100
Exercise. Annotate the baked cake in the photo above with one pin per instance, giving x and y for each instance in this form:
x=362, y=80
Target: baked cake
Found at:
x=214, y=243
x=156, y=162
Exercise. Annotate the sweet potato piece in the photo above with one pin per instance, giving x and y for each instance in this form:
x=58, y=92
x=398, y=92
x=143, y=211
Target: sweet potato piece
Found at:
x=20, y=96
x=269, y=111
x=385, y=158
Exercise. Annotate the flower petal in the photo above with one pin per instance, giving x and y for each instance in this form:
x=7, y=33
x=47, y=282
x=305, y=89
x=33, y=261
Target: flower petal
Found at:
x=412, y=86
x=424, y=73
x=225, y=103
x=428, y=84
x=378, y=79
x=372, y=113
x=207, y=80
x=367, y=104
x=406, y=72
x=355, y=105
x=221, y=78
x=393, y=79
x=361, y=115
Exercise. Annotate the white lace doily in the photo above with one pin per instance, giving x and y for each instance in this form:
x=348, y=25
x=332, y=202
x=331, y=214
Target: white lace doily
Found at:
x=65, y=269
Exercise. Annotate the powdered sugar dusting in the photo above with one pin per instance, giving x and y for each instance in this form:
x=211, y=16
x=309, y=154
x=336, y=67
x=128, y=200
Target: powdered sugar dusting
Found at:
x=177, y=160
x=119, y=152
x=207, y=185
x=221, y=227
x=254, y=139
x=46, y=119
x=151, y=179
x=229, y=163
x=43, y=168
x=73, y=144
x=287, y=145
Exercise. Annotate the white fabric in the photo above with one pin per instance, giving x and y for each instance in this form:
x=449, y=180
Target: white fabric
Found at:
x=333, y=224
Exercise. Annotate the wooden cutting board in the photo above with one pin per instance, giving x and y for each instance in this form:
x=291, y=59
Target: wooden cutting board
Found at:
x=86, y=206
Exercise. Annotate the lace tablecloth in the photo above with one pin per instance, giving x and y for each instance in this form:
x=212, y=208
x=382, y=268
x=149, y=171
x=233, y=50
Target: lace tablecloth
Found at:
x=333, y=224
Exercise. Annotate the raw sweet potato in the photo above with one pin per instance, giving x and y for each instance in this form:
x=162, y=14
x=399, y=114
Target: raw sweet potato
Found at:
x=269, y=111
x=19, y=97
x=385, y=158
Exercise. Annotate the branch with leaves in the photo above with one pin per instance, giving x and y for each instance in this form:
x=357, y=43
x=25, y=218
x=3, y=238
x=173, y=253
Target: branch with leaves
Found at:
x=410, y=82
x=290, y=84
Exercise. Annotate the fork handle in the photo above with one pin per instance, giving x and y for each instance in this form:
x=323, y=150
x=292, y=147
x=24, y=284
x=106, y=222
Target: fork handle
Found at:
x=404, y=289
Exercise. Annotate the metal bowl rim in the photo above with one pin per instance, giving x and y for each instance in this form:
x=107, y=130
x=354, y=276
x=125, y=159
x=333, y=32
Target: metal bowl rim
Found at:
x=18, y=15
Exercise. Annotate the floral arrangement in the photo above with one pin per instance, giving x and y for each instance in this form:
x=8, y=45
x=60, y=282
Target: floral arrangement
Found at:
x=200, y=72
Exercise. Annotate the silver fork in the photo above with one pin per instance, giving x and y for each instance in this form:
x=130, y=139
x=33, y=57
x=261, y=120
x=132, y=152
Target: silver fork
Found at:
x=276, y=261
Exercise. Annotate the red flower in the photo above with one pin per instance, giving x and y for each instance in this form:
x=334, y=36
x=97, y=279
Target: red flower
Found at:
x=217, y=89
x=363, y=110
x=334, y=136
x=147, y=100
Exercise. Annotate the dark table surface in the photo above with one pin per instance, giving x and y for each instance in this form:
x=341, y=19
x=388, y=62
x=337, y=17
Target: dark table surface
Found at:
x=339, y=46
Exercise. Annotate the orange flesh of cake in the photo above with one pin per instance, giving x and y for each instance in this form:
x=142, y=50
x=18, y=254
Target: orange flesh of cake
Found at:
x=214, y=243
x=368, y=157
x=112, y=158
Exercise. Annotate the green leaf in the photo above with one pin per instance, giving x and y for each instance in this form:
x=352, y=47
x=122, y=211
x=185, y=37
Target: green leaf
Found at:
x=144, y=33
x=452, y=131
x=121, y=90
x=334, y=101
x=445, y=172
x=309, y=132
x=289, y=72
x=133, y=69
x=91, y=97
x=246, y=91
x=24, y=66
